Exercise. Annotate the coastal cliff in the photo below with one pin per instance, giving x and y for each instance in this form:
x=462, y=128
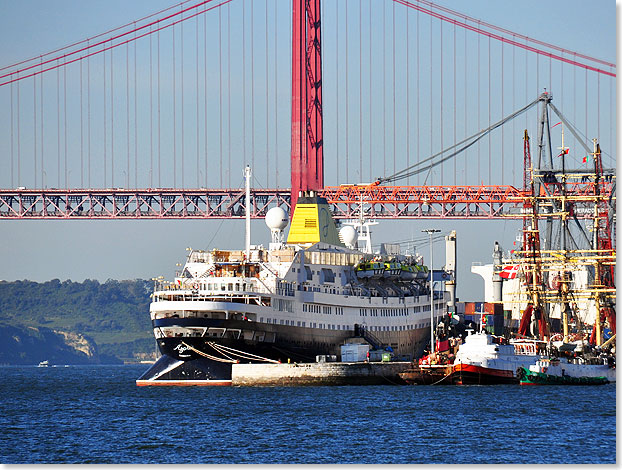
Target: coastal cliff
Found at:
x=75, y=322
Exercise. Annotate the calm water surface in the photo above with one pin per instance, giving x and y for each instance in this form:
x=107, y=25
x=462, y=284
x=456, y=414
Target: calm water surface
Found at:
x=96, y=414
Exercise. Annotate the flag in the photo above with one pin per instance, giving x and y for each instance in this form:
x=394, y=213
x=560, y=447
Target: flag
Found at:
x=564, y=152
x=586, y=159
x=510, y=271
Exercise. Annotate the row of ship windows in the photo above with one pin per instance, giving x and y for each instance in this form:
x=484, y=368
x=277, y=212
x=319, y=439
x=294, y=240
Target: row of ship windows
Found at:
x=326, y=309
x=342, y=327
x=394, y=312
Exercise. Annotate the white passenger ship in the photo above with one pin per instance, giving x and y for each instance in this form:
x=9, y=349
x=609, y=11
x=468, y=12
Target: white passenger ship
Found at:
x=293, y=302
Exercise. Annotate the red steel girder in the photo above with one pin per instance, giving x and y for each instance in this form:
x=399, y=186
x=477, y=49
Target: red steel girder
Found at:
x=425, y=201
x=137, y=204
x=452, y=202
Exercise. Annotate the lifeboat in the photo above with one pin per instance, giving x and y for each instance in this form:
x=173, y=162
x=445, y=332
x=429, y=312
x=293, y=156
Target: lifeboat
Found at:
x=422, y=271
x=408, y=272
x=392, y=269
x=370, y=270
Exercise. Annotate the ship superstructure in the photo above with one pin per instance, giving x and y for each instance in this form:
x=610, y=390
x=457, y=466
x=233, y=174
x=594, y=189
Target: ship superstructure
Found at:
x=291, y=302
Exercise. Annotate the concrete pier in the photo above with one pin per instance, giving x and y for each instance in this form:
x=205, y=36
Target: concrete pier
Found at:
x=324, y=373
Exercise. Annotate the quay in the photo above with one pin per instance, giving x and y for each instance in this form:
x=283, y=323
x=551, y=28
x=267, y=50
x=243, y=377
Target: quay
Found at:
x=320, y=373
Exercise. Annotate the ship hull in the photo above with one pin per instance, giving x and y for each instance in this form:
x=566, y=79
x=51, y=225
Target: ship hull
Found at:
x=208, y=360
x=467, y=374
x=198, y=371
x=458, y=374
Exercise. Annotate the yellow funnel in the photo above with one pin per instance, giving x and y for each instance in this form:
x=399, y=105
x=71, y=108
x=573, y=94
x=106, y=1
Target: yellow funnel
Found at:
x=312, y=222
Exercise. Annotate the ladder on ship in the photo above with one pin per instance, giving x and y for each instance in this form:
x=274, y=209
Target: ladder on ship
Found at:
x=363, y=332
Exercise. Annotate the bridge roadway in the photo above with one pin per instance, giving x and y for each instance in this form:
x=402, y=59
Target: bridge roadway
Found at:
x=414, y=202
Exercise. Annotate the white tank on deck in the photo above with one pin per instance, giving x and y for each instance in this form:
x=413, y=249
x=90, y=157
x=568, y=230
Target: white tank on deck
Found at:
x=276, y=220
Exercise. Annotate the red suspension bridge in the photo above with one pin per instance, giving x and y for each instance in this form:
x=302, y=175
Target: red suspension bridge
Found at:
x=382, y=92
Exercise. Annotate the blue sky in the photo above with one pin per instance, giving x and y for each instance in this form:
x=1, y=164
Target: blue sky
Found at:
x=42, y=250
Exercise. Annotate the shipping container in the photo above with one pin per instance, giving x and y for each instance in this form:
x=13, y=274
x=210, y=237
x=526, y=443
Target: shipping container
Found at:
x=354, y=352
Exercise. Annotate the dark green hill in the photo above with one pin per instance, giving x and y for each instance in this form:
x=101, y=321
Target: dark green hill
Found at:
x=113, y=316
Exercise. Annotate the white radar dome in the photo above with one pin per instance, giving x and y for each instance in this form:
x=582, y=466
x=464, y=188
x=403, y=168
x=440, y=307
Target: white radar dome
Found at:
x=348, y=235
x=277, y=219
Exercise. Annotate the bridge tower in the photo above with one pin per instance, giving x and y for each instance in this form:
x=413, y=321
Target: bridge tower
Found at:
x=307, y=158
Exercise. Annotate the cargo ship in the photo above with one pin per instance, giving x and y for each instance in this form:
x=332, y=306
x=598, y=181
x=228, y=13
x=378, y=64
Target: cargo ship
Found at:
x=297, y=300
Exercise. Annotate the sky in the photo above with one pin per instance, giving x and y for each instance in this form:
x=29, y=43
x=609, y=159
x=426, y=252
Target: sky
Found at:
x=125, y=249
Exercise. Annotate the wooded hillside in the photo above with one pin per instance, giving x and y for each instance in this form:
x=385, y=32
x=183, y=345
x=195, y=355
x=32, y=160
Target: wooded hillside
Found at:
x=112, y=316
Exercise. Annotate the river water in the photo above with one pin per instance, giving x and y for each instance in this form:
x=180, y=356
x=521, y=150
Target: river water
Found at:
x=96, y=414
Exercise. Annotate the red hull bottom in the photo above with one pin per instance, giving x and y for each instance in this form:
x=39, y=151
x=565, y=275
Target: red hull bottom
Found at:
x=466, y=374
x=186, y=383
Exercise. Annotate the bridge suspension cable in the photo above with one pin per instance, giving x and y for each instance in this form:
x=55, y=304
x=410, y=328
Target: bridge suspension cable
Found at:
x=8, y=76
x=513, y=42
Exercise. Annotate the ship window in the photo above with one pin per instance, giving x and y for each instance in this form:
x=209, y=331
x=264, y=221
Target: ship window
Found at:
x=329, y=275
x=309, y=273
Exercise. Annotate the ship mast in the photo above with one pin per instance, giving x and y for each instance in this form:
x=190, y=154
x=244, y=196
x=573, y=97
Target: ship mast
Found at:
x=555, y=265
x=565, y=274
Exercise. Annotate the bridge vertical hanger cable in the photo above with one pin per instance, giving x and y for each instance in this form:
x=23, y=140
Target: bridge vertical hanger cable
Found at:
x=479, y=102
x=34, y=126
x=205, y=137
x=220, y=91
x=360, y=178
x=12, y=139
x=347, y=96
x=64, y=128
x=181, y=108
x=197, y=99
x=136, y=117
x=441, y=86
x=407, y=93
x=58, y=125
x=418, y=95
x=513, y=107
x=502, y=114
x=127, y=111
x=526, y=84
x=19, y=140
x=384, y=101
x=174, y=93
x=81, y=131
x=586, y=121
x=337, y=85
x=466, y=61
x=159, y=121
x=394, y=123
x=111, y=120
x=431, y=98
x=455, y=103
x=276, y=92
x=150, y=110
x=267, y=103
x=489, y=117
x=371, y=114
x=244, y=83
x=598, y=106
x=42, y=141
x=228, y=95
x=252, y=85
